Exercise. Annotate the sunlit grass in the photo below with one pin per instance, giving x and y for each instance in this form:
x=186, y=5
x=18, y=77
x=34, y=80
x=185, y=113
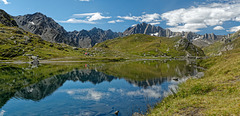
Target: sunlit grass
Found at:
x=217, y=93
x=145, y=45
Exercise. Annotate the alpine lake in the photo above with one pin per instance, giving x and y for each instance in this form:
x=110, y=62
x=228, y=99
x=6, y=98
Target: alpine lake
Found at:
x=89, y=89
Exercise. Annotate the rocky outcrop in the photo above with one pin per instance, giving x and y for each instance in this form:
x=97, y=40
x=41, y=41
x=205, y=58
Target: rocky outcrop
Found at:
x=87, y=39
x=197, y=39
x=6, y=19
x=191, y=50
x=43, y=26
x=145, y=28
x=51, y=31
x=210, y=36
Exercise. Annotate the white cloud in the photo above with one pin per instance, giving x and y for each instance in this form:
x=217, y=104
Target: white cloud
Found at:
x=148, y=18
x=86, y=94
x=73, y=20
x=134, y=25
x=91, y=16
x=2, y=113
x=86, y=18
x=237, y=19
x=234, y=29
x=202, y=16
x=218, y=28
x=84, y=0
x=5, y=2
x=153, y=92
x=116, y=21
x=135, y=18
x=112, y=89
x=119, y=21
x=193, y=27
x=156, y=23
x=112, y=21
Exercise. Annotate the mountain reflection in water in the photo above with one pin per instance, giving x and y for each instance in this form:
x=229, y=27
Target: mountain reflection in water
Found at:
x=46, y=87
x=98, y=90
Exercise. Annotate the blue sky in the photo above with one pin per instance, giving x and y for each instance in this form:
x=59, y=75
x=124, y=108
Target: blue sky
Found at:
x=201, y=16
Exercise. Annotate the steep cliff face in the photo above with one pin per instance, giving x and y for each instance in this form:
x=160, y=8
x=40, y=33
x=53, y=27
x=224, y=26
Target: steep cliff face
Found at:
x=43, y=26
x=145, y=28
x=6, y=19
x=87, y=39
x=149, y=29
x=51, y=31
x=206, y=40
x=197, y=39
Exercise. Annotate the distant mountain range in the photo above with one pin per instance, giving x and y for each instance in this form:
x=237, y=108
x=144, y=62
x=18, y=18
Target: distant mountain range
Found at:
x=196, y=39
x=51, y=31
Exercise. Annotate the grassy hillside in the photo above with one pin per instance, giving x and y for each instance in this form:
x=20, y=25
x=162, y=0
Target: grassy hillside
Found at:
x=145, y=45
x=221, y=46
x=15, y=43
x=217, y=93
x=213, y=49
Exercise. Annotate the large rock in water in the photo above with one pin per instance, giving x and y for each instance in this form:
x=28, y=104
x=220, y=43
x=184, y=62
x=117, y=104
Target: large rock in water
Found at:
x=6, y=19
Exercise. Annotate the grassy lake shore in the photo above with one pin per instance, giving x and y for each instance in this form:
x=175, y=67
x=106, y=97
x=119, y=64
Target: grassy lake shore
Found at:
x=217, y=93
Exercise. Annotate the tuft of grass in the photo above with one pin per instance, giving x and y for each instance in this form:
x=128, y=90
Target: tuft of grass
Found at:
x=201, y=89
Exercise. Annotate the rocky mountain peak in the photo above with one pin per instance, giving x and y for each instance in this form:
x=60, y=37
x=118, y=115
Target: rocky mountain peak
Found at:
x=143, y=24
x=95, y=30
x=43, y=26
x=211, y=36
x=197, y=39
x=6, y=19
x=142, y=28
x=50, y=30
x=39, y=14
